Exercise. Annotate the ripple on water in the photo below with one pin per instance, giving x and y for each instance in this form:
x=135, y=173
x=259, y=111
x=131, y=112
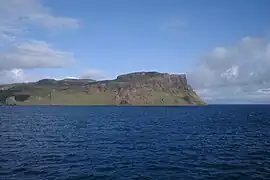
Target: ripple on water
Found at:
x=76, y=143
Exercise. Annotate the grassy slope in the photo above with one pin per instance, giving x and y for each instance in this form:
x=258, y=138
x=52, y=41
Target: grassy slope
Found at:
x=105, y=98
x=71, y=98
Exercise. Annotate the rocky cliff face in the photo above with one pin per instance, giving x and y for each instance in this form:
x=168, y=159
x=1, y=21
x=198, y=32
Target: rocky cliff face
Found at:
x=140, y=88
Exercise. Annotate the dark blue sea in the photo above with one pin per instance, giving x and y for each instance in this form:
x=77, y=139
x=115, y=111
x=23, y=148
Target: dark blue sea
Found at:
x=79, y=143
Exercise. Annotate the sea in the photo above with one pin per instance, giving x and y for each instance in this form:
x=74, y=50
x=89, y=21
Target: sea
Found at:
x=219, y=142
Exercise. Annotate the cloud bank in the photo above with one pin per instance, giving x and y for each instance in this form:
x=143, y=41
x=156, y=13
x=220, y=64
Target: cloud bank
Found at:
x=18, y=53
x=238, y=73
x=32, y=55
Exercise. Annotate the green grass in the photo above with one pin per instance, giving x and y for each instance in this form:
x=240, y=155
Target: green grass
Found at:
x=71, y=98
x=105, y=98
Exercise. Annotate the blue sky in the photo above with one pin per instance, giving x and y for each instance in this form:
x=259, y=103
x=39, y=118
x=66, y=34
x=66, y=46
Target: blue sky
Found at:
x=122, y=36
x=102, y=39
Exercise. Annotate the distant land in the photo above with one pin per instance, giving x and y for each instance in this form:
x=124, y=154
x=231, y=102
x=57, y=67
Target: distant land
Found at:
x=139, y=88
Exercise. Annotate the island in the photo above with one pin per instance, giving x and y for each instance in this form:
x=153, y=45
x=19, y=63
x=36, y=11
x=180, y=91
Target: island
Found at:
x=138, y=89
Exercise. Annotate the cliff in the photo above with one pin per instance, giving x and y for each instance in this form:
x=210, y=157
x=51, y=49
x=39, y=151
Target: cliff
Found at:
x=140, y=88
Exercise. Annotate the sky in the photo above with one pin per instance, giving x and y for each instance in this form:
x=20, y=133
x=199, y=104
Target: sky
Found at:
x=222, y=45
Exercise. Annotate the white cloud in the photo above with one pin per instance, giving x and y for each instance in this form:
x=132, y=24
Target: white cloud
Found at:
x=18, y=16
x=15, y=13
x=263, y=91
x=70, y=77
x=54, y=22
x=36, y=54
x=17, y=53
x=234, y=73
x=219, y=52
x=93, y=74
x=231, y=74
x=18, y=76
x=12, y=76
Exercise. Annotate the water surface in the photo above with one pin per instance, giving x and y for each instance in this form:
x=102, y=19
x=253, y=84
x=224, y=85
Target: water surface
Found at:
x=80, y=143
